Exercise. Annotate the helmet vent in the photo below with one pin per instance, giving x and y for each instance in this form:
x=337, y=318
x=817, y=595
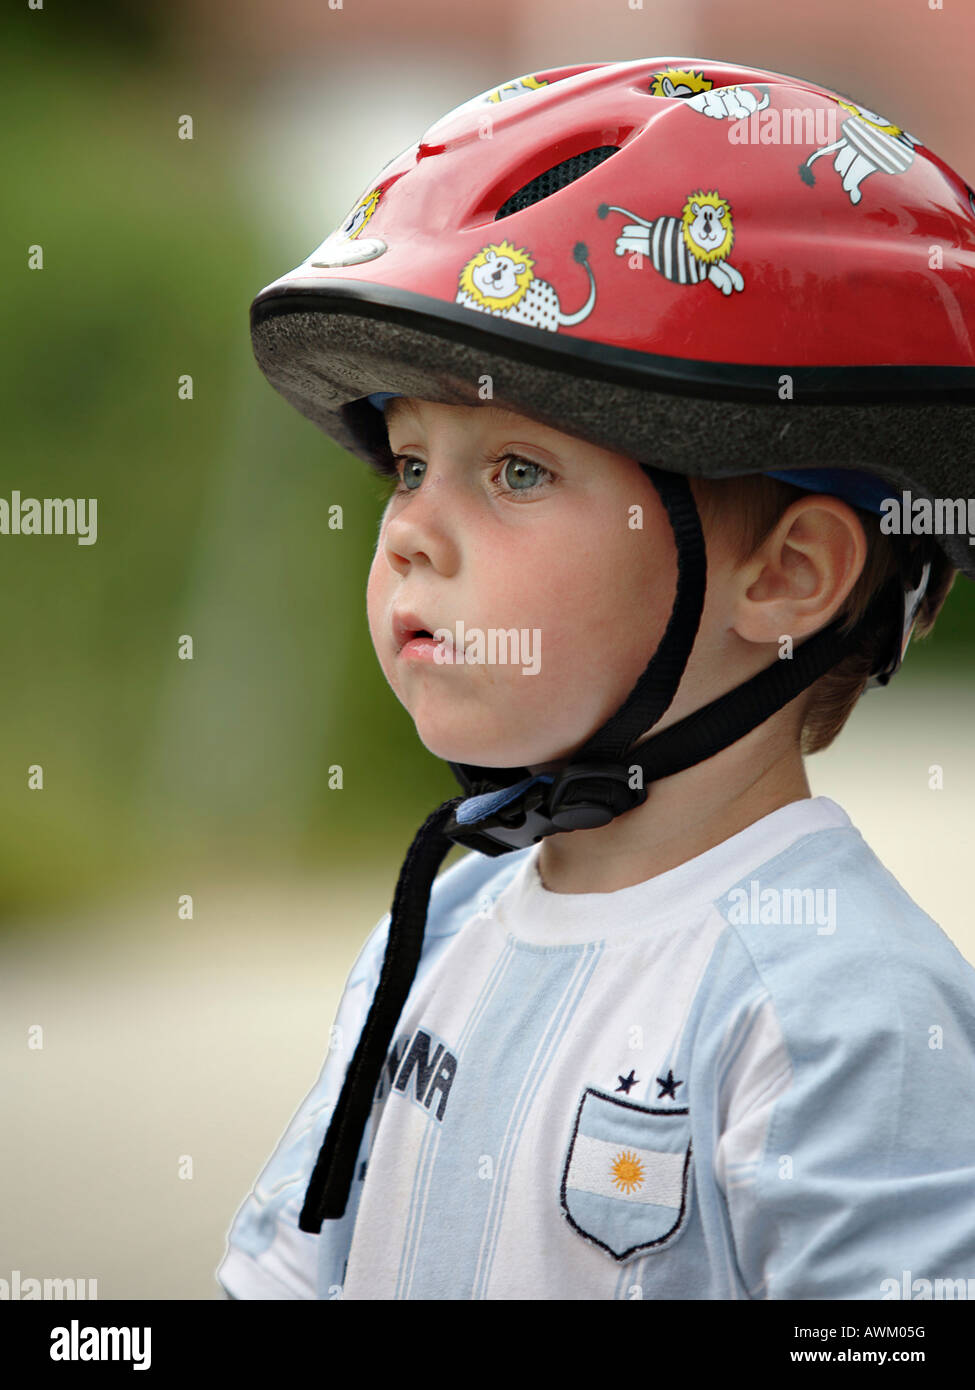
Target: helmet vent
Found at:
x=559, y=176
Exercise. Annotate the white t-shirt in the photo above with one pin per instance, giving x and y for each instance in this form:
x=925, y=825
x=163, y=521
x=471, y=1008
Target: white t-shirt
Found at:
x=752, y=1076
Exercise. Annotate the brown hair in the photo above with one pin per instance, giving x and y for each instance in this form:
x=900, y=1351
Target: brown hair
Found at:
x=747, y=509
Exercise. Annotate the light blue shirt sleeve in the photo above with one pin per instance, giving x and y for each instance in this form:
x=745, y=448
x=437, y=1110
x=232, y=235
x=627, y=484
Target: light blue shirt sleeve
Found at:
x=863, y=1186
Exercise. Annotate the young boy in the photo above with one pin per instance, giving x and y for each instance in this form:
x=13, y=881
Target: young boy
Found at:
x=687, y=1037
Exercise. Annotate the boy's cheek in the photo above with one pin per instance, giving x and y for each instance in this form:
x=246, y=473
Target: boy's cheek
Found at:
x=376, y=601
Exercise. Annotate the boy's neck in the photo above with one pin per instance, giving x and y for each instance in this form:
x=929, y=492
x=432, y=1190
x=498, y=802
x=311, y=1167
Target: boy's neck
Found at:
x=682, y=817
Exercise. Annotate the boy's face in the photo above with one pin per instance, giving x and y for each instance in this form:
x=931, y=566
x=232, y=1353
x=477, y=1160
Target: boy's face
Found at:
x=568, y=543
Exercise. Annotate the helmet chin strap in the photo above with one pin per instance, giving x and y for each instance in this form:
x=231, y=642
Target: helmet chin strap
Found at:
x=510, y=808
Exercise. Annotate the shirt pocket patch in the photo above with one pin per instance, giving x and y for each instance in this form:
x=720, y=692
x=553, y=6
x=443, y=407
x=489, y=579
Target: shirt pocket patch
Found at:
x=626, y=1176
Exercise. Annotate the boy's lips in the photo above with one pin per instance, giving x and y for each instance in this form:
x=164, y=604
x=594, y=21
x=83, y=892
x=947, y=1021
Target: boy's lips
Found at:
x=405, y=626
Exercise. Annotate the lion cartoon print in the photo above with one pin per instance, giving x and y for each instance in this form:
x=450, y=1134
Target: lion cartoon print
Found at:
x=732, y=103
x=516, y=88
x=340, y=247
x=868, y=144
x=501, y=280
x=359, y=215
x=678, y=82
x=687, y=249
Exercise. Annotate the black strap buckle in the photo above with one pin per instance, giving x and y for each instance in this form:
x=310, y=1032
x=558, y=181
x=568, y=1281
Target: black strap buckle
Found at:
x=582, y=796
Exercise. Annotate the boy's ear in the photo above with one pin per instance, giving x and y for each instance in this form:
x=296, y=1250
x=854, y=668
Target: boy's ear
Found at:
x=799, y=577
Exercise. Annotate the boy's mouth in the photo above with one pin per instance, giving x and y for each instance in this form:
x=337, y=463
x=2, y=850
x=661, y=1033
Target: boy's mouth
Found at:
x=406, y=626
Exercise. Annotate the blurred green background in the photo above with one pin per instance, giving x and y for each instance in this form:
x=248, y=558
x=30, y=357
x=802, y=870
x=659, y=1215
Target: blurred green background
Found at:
x=161, y=777
x=212, y=512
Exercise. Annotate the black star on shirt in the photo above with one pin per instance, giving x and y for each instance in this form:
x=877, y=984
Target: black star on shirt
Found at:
x=626, y=1082
x=669, y=1086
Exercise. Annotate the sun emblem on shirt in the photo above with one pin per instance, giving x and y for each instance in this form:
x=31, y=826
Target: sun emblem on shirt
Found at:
x=627, y=1171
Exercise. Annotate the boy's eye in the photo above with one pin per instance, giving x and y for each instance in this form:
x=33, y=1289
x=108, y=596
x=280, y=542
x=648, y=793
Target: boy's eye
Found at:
x=517, y=474
x=413, y=471
x=514, y=473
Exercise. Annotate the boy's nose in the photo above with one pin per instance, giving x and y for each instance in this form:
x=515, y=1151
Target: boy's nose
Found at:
x=420, y=534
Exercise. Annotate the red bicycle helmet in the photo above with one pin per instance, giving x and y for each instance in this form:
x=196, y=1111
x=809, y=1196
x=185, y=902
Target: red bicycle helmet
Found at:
x=629, y=225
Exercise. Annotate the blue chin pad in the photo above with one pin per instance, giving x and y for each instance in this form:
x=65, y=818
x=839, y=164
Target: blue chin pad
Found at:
x=864, y=490
x=379, y=398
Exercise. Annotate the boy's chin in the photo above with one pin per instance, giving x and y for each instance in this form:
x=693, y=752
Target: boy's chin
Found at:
x=474, y=753
x=470, y=754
